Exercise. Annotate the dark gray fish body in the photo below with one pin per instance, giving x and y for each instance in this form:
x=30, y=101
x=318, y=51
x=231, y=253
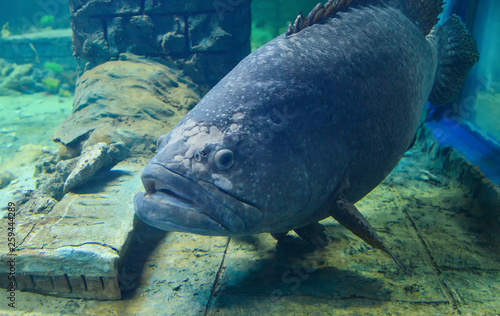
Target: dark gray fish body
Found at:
x=310, y=117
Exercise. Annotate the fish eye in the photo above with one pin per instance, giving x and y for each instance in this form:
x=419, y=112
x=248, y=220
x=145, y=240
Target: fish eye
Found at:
x=224, y=159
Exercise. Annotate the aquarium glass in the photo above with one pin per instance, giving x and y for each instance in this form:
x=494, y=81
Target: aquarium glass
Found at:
x=480, y=104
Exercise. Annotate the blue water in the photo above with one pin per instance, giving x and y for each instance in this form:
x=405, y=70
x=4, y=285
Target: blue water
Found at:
x=478, y=150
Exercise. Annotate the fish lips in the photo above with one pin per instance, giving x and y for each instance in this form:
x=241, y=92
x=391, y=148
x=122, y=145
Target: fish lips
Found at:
x=173, y=202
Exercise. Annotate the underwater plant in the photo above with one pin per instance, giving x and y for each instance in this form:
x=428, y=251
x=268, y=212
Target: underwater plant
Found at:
x=5, y=31
x=65, y=93
x=55, y=67
x=47, y=20
x=52, y=84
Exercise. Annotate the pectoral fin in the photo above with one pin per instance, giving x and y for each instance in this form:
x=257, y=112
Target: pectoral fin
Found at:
x=349, y=216
x=313, y=233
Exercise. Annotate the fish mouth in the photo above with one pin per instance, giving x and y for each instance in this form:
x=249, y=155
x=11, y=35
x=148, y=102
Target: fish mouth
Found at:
x=173, y=202
x=155, y=190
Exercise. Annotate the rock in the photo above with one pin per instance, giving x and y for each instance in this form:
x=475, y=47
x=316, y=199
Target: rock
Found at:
x=23, y=163
x=5, y=178
x=14, y=79
x=169, y=30
x=206, y=34
x=72, y=173
x=3, y=65
x=28, y=79
x=173, y=42
x=54, y=186
x=22, y=167
x=46, y=164
x=422, y=177
x=16, y=76
x=74, y=250
x=133, y=101
x=92, y=160
x=36, y=203
x=427, y=176
x=65, y=152
x=99, y=135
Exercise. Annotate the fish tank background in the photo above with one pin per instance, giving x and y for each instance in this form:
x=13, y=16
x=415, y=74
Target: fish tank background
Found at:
x=471, y=123
x=37, y=73
x=181, y=273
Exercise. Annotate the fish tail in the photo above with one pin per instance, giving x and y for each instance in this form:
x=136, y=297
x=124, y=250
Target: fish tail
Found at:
x=457, y=53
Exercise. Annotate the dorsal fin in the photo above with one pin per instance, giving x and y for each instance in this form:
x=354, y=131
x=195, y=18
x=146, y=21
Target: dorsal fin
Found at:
x=424, y=13
x=319, y=14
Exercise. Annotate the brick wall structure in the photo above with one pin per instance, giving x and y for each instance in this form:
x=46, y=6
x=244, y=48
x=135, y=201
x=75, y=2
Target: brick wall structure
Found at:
x=207, y=38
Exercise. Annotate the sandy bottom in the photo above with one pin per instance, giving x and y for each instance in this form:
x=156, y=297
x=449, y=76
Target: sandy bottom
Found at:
x=30, y=119
x=434, y=227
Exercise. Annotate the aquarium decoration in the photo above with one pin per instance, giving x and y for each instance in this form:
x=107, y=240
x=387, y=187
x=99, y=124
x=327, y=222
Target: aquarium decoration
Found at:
x=4, y=33
x=206, y=41
x=47, y=20
x=52, y=84
x=32, y=78
x=55, y=67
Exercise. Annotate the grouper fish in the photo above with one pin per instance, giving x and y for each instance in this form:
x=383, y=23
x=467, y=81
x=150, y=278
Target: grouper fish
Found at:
x=308, y=124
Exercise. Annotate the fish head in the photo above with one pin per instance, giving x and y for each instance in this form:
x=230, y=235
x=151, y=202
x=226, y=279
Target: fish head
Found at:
x=225, y=174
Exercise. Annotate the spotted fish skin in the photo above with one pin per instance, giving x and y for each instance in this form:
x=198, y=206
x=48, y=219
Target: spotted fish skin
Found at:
x=312, y=118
